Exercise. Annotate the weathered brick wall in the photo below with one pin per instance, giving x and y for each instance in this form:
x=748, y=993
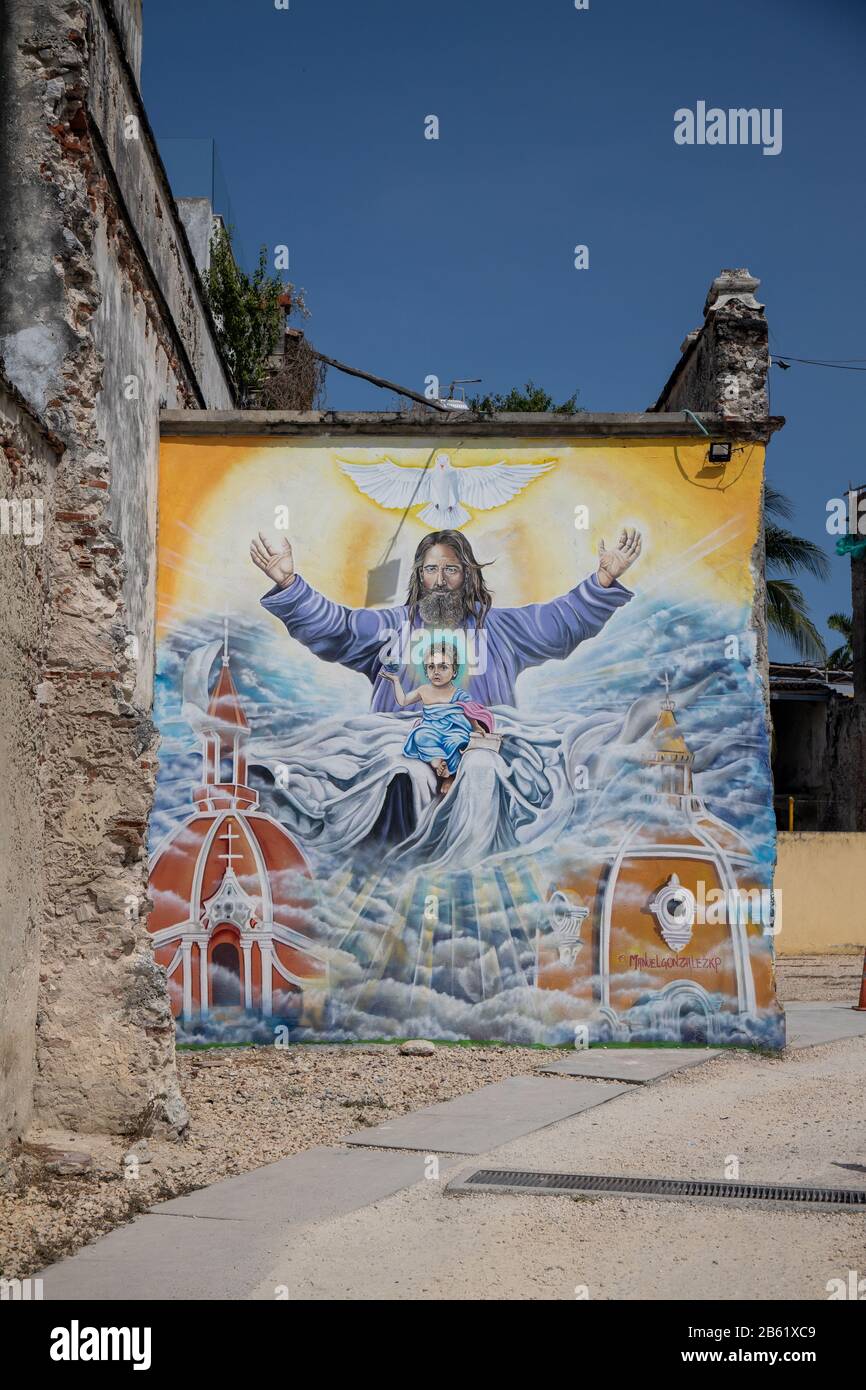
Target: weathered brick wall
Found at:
x=101, y=316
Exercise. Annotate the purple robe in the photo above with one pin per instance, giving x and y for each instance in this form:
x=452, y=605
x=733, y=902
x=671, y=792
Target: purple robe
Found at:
x=516, y=637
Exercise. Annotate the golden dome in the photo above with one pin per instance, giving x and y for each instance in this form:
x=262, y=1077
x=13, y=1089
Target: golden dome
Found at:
x=669, y=743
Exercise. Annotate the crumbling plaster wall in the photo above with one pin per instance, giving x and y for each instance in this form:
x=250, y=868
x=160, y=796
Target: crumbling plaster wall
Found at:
x=725, y=363
x=139, y=372
x=28, y=464
x=98, y=291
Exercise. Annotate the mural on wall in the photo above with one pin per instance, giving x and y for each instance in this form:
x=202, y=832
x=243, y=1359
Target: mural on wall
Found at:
x=462, y=741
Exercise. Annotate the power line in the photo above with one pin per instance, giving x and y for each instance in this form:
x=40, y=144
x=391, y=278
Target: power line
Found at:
x=781, y=358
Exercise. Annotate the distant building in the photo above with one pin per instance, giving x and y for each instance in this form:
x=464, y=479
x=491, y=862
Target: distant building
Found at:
x=817, y=749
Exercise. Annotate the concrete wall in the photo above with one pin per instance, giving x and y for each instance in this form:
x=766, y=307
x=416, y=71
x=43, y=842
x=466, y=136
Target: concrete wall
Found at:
x=846, y=767
x=151, y=328
x=143, y=197
x=28, y=464
x=197, y=216
x=821, y=877
x=102, y=319
x=128, y=15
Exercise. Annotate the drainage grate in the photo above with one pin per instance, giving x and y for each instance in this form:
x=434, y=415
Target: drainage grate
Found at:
x=587, y=1184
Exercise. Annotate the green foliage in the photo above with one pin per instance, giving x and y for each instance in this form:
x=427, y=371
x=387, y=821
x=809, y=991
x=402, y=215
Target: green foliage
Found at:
x=532, y=398
x=246, y=312
x=793, y=553
x=788, y=616
x=787, y=609
x=842, y=658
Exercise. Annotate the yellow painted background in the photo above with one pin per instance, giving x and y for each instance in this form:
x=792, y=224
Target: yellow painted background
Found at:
x=699, y=525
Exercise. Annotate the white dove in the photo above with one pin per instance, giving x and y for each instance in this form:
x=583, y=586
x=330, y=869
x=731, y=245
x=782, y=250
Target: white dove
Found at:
x=442, y=488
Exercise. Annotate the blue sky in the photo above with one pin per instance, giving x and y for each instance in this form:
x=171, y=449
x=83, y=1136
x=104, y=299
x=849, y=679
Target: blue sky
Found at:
x=455, y=256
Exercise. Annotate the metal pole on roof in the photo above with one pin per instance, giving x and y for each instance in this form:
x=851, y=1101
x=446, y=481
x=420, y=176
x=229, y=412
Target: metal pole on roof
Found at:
x=382, y=381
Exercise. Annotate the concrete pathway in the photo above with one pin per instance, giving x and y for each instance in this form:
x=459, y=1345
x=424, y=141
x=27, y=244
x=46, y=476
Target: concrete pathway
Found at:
x=488, y=1117
x=215, y=1243
x=369, y=1222
x=797, y=1121
x=812, y=1024
x=636, y=1064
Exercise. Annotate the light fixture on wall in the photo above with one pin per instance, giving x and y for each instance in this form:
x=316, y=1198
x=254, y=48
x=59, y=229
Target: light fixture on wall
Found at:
x=719, y=453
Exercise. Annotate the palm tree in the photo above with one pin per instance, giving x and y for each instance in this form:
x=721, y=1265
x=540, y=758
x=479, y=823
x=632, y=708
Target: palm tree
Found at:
x=787, y=610
x=843, y=657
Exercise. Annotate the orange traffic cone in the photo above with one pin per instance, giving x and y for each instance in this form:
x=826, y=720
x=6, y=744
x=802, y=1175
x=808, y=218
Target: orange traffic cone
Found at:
x=861, y=1007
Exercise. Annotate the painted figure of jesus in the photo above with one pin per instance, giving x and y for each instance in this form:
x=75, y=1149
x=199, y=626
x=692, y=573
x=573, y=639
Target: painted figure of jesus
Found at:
x=447, y=591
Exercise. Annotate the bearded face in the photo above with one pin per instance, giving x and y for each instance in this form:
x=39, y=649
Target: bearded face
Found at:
x=443, y=608
x=443, y=600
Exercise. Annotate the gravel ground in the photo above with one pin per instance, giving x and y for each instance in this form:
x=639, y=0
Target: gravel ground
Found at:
x=248, y=1107
x=835, y=978
x=796, y=1119
x=252, y=1106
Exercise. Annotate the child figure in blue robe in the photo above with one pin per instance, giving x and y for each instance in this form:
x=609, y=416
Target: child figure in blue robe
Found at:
x=448, y=716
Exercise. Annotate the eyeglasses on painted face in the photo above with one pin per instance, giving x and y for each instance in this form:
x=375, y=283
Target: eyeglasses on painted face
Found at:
x=450, y=571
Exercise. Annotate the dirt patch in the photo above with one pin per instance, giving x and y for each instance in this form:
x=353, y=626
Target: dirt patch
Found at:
x=248, y=1107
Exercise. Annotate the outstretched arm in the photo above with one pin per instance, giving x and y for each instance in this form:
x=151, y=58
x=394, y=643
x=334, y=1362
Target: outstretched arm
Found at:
x=351, y=636
x=399, y=693
x=613, y=563
x=277, y=562
x=551, y=631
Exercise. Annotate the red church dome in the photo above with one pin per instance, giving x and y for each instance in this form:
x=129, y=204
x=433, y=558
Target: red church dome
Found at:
x=232, y=894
